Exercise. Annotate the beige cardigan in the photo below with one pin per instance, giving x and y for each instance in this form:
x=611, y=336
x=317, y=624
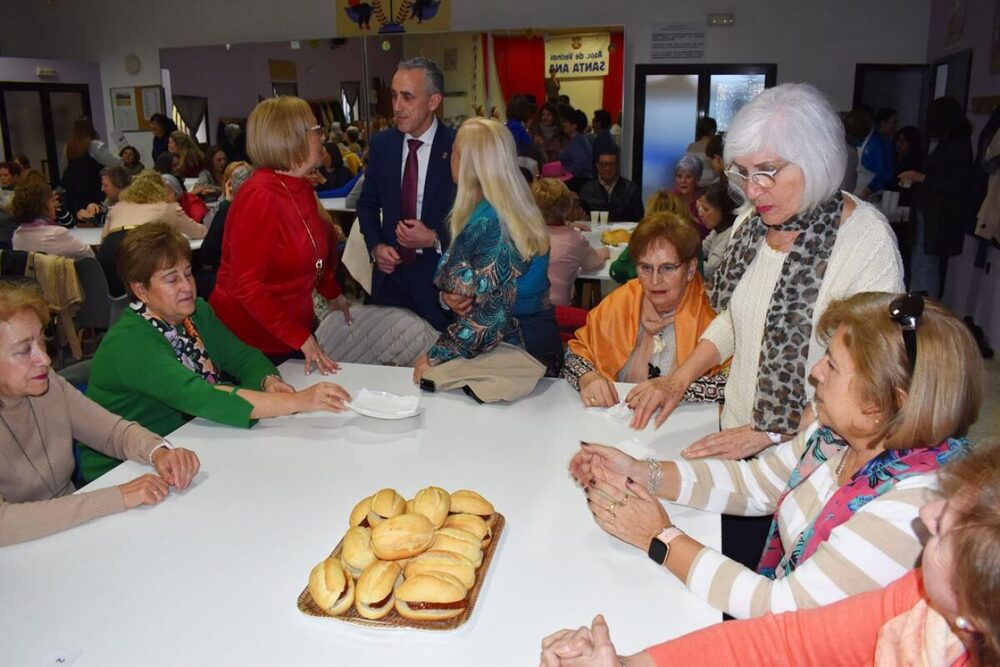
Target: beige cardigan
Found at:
x=36, y=469
x=127, y=214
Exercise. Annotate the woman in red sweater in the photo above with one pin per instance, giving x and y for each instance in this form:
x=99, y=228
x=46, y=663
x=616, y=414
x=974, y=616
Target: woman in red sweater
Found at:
x=276, y=248
x=945, y=613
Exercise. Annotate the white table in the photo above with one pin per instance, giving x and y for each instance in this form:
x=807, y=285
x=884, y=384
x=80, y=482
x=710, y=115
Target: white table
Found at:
x=336, y=205
x=92, y=236
x=211, y=576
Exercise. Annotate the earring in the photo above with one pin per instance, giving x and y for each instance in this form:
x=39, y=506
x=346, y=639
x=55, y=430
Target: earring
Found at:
x=962, y=623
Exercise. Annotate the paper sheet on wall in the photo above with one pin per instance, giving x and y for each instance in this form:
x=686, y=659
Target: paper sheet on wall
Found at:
x=151, y=102
x=676, y=41
x=123, y=105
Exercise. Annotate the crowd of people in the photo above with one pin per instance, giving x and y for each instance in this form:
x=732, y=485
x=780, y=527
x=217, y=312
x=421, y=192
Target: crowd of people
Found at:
x=754, y=280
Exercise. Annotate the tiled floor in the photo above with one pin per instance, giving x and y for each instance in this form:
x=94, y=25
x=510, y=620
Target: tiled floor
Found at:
x=988, y=426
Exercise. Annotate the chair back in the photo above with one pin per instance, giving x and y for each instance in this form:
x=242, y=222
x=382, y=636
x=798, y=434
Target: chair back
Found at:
x=99, y=309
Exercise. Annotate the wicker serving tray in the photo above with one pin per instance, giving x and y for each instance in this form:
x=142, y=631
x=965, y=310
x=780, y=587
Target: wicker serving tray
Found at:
x=308, y=607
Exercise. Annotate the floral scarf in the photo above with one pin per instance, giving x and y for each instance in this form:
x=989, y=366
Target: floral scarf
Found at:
x=781, y=378
x=186, y=342
x=877, y=477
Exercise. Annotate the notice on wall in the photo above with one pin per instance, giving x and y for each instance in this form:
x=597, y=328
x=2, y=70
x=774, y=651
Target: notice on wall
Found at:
x=578, y=55
x=152, y=101
x=123, y=109
x=676, y=42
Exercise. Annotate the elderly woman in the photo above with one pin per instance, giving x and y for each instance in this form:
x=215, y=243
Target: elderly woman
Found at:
x=569, y=251
x=717, y=210
x=896, y=391
x=494, y=274
x=190, y=203
x=651, y=324
x=34, y=207
x=687, y=175
x=278, y=249
x=42, y=415
x=803, y=245
x=943, y=613
x=145, y=200
x=113, y=181
x=622, y=269
x=169, y=358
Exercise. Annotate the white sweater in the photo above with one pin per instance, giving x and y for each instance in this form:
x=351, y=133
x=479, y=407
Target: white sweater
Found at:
x=865, y=258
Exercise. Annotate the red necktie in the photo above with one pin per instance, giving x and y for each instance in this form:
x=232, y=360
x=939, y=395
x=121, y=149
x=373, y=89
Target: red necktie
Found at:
x=408, y=196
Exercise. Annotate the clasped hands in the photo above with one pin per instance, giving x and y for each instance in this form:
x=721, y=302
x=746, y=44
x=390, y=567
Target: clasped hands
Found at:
x=174, y=467
x=409, y=234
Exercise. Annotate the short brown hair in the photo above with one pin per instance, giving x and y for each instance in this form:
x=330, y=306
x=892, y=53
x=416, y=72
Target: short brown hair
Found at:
x=973, y=483
x=278, y=132
x=660, y=226
x=944, y=391
x=553, y=198
x=147, y=249
x=146, y=188
x=16, y=297
x=31, y=199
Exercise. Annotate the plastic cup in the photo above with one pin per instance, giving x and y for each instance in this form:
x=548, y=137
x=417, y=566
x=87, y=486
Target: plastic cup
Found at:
x=604, y=217
x=595, y=217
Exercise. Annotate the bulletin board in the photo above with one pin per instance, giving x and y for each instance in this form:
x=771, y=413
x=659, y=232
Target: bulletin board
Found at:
x=131, y=107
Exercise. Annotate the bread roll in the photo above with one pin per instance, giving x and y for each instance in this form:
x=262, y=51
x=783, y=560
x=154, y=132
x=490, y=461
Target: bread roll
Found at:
x=385, y=505
x=373, y=593
x=448, y=562
x=331, y=587
x=461, y=542
x=470, y=502
x=434, y=503
x=472, y=524
x=356, y=552
x=359, y=515
x=402, y=536
x=430, y=596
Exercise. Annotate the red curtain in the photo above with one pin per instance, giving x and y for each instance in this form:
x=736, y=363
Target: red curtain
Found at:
x=520, y=67
x=612, y=99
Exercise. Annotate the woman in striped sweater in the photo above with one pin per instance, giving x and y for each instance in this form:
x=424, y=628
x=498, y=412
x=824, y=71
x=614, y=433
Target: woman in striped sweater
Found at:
x=899, y=386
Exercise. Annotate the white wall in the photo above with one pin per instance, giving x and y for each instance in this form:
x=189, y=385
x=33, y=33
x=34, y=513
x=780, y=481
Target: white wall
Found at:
x=818, y=41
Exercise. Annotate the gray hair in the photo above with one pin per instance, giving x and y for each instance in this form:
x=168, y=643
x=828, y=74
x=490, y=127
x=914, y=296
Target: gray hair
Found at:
x=689, y=164
x=795, y=121
x=240, y=176
x=435, y=79
x=173, y=183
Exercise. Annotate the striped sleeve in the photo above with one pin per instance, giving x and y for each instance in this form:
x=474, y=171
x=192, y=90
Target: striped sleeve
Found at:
x=874, y=548
x=740, y=488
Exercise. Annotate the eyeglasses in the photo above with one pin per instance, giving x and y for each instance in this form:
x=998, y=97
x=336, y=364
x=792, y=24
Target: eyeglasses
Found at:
x=906, y=311
x=762, y=179
x=315, y=129
x=663, y=270
x=607, y=165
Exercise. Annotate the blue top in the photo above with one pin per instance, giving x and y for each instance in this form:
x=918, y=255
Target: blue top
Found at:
x=877, y=158
x=484, y=263
x=521, y=136
x=578, y=157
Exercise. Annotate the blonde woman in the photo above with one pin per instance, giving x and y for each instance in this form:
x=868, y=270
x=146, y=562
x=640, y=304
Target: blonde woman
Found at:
x=494, y=275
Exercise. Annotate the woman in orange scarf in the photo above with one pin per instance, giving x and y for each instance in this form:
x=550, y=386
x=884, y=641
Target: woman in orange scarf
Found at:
x=649, y=325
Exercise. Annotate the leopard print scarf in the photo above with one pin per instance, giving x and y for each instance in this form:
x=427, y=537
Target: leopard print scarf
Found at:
x=782, y=372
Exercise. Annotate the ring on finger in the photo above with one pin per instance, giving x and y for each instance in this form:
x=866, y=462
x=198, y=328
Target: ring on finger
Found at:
x=624, y=500
x=612, y=506
x=611, y=522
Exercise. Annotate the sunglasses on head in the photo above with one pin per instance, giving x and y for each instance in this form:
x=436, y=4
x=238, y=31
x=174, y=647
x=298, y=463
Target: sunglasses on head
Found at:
x=906, y=311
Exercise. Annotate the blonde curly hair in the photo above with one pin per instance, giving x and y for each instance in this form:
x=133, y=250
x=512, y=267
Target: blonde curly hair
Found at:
x=146, y=188
x=553, y=198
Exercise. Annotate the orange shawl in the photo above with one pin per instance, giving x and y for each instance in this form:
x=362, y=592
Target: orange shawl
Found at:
x=608, y=337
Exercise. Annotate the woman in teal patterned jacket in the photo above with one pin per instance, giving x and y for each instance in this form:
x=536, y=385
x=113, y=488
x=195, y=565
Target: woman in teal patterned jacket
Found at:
x=494, y=275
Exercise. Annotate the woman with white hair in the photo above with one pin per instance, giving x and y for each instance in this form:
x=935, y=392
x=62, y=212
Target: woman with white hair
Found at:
x=494, y=276
x=803, y=244
x=687, y=174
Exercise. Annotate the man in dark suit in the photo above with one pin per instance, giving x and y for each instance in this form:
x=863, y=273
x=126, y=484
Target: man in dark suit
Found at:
x=407, y=194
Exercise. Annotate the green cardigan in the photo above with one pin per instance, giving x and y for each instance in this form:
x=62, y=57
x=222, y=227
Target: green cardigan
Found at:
x=136, y=374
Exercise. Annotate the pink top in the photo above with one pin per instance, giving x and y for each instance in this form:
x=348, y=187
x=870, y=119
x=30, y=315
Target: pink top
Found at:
x=843, y=633
x=39, y=236
x=569, y=251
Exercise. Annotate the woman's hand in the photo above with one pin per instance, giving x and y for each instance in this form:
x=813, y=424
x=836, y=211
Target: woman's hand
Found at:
x=177, y=467
x=731, y=443
x=146, y=490
x=420, y=366
x=597, y=391
x=583, y=647
x=912, y=175
x=663, y=394
x=629, y=513
x=315, y=355
x=275, y=385
x=457, y=303
x=323, y=396
x=605, y=464
x=343, y=305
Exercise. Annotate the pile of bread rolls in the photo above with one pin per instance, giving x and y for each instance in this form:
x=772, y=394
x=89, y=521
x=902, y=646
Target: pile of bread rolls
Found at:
x=416, y=556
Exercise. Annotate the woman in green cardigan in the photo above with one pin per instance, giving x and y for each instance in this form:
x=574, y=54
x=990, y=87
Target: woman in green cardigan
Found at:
x=169, y=358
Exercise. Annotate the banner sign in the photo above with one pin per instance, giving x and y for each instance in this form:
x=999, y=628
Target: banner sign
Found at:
x=578, y=55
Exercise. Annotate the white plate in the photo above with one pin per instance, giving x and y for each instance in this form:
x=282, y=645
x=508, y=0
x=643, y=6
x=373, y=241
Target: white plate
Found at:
x=383, y=405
